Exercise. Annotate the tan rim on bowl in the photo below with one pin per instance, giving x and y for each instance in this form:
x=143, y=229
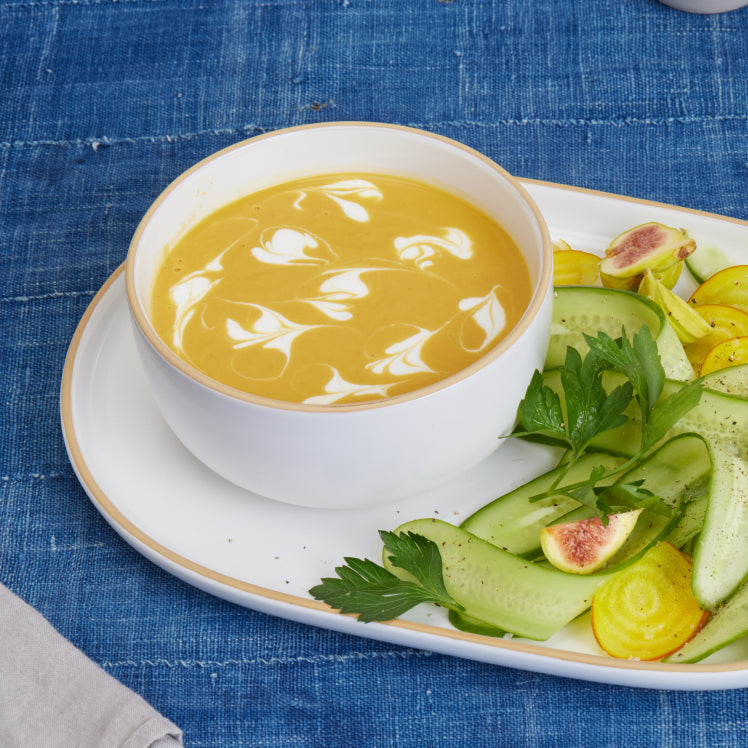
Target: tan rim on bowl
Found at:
x=541, y=288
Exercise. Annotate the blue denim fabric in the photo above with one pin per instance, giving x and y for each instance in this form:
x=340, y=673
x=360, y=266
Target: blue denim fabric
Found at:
x=103, y=103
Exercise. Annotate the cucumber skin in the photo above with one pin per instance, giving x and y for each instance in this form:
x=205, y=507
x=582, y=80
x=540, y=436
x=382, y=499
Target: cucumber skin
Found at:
x=473, y=626
x=579, y=309
x=727, y=624
x=503, y=590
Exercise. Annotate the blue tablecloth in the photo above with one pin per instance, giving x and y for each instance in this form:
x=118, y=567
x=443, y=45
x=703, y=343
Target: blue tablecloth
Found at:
x=103, y=103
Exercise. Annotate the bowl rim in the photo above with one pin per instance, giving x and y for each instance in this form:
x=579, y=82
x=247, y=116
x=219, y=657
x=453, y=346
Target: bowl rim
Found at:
x=540, y=289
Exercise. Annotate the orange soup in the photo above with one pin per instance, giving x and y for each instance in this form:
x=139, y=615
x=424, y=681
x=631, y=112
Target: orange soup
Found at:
x=339, y=288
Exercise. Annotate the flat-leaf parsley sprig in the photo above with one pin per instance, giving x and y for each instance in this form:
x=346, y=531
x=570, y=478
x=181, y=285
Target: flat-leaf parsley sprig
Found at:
x=591, y=410
x=376, y=594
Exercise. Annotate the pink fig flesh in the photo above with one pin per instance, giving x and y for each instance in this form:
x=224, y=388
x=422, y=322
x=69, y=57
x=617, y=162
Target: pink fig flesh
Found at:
x=637, y=243
x=584, y=546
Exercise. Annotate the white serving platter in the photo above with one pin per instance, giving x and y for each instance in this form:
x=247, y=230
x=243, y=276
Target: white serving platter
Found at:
x=265, y=555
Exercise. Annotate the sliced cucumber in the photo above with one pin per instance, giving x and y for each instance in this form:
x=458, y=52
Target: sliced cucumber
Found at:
x=706, y=261
x=513, y=522
x=580, y=309
x=720, y=418
x=733, y=380
x=726, y=625
x=679, y=473
x=720, y=558
x=503, y=590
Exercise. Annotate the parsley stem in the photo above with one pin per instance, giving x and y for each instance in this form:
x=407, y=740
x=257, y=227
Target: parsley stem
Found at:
x=555, y=488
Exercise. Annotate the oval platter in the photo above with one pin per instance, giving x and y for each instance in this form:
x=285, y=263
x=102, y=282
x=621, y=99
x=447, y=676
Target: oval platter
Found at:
x=265, y=555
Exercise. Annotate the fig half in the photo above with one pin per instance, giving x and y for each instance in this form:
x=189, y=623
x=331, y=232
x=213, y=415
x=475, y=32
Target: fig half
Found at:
x=583, y=546
x=652, y=245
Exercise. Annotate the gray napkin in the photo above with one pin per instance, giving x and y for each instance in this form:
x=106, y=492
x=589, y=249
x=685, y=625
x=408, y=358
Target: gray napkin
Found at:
x=52, y=695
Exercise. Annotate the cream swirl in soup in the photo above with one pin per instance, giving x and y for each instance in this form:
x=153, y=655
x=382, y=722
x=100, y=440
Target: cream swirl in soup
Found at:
x=339, y=289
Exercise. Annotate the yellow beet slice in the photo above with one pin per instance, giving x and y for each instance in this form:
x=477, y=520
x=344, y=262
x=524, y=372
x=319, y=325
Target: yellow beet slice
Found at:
x=559, y=245
x=730, y=352
x=728, y=286
x=574, y=268
x=648, y=610
x=725, y=322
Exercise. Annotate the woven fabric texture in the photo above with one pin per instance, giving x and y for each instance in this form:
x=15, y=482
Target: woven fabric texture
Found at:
x=105, y=102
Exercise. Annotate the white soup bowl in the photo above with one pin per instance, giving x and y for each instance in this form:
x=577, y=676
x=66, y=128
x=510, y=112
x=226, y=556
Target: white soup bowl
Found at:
x=343, y=456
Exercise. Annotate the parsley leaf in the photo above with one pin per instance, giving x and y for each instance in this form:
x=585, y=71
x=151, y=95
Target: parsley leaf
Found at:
x=590, y=410
x=584, y=491
x=632, y=495
x=375, y=593
x=639, y=362
x=669, y=411
x=649, y=370
x=540, y=412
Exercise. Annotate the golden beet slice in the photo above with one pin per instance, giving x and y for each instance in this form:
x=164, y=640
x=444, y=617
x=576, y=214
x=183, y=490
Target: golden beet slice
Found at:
x=724, y=322
x=728, y=286
x=648, y=610
x=574, y=268
x=730, y=352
